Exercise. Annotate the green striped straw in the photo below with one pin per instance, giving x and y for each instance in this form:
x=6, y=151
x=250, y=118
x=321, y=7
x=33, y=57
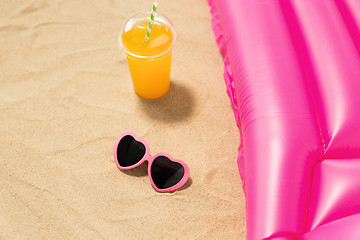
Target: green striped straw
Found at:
x=152, y=16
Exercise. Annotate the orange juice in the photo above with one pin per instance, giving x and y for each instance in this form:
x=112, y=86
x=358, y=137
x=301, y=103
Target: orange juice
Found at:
x=149, y=62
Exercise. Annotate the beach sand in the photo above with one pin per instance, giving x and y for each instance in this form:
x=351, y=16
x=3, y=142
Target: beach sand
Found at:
x=66, y=94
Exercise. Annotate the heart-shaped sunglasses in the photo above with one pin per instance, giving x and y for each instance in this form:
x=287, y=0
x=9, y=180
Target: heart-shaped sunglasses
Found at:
x=165, y=172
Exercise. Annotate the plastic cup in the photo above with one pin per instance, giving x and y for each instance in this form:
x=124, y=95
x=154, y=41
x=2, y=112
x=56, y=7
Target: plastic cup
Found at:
x=149, y=63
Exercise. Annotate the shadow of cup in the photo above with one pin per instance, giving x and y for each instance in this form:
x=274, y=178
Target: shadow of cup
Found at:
x=177, y=105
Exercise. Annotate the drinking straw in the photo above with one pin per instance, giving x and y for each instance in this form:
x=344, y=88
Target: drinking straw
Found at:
x=152, y=16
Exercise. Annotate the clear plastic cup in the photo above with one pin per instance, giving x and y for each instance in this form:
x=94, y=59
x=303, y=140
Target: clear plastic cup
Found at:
x=150, y=62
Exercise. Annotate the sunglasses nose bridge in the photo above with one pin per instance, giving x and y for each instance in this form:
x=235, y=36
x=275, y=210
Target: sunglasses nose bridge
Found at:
x=149, y=158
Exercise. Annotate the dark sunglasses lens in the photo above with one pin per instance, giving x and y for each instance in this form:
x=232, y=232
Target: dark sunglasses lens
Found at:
x=129, y=151
x=166, y=173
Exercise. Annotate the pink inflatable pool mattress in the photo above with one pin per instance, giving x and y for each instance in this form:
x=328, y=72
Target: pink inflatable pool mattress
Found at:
x=292, y=71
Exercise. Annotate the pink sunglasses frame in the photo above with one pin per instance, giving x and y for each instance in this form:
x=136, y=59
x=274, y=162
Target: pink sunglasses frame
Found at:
x=150, y=159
